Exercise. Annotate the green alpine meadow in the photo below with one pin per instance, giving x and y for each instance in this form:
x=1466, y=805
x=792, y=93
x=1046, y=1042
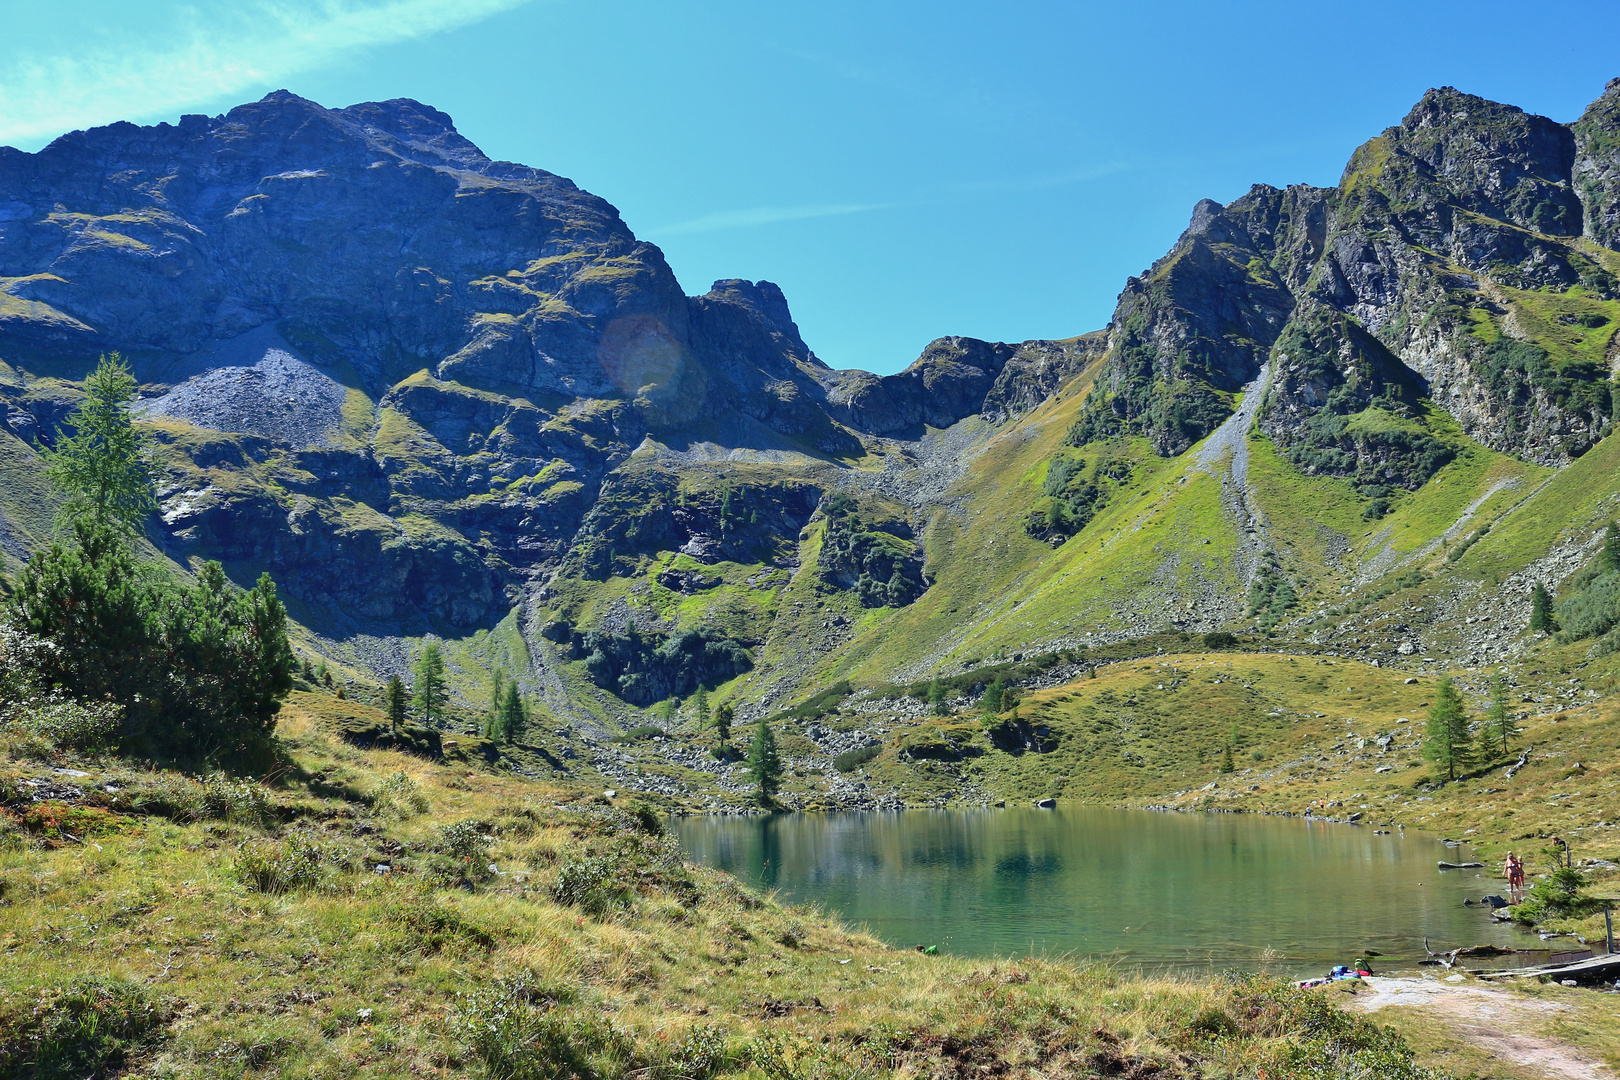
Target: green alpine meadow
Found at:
x=434, y=644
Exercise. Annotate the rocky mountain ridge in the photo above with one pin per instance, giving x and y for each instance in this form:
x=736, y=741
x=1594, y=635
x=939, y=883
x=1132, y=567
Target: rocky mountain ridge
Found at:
x=429, y=359
x=435, y=393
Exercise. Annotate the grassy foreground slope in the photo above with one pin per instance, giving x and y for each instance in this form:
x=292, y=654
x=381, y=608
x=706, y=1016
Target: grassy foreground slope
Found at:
x=378, y=915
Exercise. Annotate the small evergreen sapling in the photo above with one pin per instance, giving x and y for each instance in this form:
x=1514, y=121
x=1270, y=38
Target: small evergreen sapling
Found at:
x=936, y=699
x=429, y=693
x=1446, y=741
x=1609, y=556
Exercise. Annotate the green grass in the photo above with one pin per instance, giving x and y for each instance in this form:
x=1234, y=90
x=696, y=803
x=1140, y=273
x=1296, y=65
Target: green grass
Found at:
x=272, y=947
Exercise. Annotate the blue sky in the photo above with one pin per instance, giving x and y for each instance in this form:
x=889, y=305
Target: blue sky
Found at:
x=903, y=170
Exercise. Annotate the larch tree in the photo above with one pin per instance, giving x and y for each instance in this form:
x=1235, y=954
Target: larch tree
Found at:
x=104, y=468
x=765, y=763
x=429, y=691
x=723, y=716
x=1496, y=734
x=1445, y=740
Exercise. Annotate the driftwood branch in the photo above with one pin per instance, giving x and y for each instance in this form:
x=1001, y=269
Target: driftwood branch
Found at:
x=1448, y=960
x=1524, y=758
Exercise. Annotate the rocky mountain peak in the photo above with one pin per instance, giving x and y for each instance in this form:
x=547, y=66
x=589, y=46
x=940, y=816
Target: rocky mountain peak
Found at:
x=1203, y=216
x=762, y=299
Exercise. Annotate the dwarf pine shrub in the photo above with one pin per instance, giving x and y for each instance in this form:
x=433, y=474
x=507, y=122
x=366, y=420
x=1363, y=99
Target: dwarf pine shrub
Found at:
x=398, y=796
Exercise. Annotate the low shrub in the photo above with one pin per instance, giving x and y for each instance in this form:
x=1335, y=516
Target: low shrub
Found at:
x=1557, y=896
x=646, y=817
x=398, y=796
x=850, y=760
x=522, y=1030
x=83, y=727
x=593, y=884
x=461, y=856
x=643, y=731
x=90, y=1027
x=221, y=798
x=431, y=926
x=295, y=863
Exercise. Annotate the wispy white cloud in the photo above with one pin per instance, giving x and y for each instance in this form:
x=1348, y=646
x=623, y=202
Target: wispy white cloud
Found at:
x=943, y=194
x=212, y=55
x=762, y=215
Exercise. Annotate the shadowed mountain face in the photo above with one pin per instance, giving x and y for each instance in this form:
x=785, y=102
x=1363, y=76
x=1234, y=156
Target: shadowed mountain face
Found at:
x=442, y=355
x=424, y=388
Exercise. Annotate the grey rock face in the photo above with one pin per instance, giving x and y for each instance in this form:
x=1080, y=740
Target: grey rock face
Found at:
x=1436, y=248
x=1596, y=172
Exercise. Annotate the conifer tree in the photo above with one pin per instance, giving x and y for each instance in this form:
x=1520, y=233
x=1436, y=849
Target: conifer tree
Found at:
x=1497, y=732
x=936, y=698
x=765, y=763
x=429, y=693
x=1609, y=556
x=497, y=701
x=513, y=722
x=1542, y=620
x=700, y=707
x=723, y=716
x=993, y=694
x=394, y=698
x=1227, y=764
x=104, y=467
x=1445, y=740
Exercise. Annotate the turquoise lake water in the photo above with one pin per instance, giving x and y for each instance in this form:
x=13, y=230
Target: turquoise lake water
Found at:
x=1153, y=890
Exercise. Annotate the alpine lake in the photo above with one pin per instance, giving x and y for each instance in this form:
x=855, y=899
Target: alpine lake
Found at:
x=1142, y=889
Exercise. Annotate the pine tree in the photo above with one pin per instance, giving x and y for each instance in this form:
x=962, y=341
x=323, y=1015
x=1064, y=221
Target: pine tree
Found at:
x=1542, y=620
x=936, y=698
x=513, y=722
x=104, y=467
x=1497, y=732
x=394, y=698
x=428, y=690
x=700, y=707
x=1227, y=764
x=723, y=716
x=764, y=763
x=1445, y=739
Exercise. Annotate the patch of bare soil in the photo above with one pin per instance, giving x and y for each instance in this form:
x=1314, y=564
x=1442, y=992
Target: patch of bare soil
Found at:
x=1499, y=1022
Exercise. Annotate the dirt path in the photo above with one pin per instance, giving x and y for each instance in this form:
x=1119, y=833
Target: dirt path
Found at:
x=1500, y=1023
